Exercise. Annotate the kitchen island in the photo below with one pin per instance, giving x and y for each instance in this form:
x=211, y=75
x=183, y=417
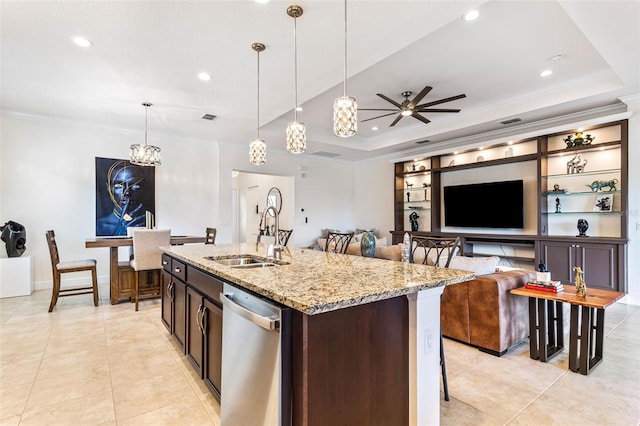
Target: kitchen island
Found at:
x=363, y=346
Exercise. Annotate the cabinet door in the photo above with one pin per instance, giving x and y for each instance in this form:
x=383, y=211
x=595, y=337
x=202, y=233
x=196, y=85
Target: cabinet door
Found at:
x=167, y=295
x=560, y=257
x=179, y=311
x=599, y=263
x=195, y=338
x=212, y=322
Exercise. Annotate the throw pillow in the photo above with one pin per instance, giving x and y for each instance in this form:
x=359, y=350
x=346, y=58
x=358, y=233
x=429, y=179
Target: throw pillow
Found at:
x=354, y=249
x=322, y=242
x=477, y=265
x=390, y=252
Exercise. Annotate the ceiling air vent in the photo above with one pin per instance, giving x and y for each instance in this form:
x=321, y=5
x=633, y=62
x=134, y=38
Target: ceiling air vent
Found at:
x=325, y=154
x=424, y=141
x=210, y=117
x=511, y=120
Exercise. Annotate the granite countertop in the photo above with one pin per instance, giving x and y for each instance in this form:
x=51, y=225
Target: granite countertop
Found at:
x=314, y=281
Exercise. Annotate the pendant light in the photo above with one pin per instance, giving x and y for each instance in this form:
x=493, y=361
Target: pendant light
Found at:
x=258, y=148
x=345, y=108
x=144, y=155
x=296, y=132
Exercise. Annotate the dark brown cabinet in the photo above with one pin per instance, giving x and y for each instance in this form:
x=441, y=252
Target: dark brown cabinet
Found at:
x=192, y=312
x=599, y=262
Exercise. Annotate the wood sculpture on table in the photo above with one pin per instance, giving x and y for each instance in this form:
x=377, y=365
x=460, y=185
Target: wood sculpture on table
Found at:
x=581, y=287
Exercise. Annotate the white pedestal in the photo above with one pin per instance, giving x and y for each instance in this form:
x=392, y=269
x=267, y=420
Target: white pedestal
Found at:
x=424, y=357
x=16, y=276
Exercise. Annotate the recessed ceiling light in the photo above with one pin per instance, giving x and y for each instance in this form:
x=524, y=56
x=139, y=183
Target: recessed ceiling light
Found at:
x=510, y=143
x=263, y=1
x=481, y=148
x=546, y=73
x=299, y=109
x=81, y=41
x=204, y=76
x=471, y=15
x=374, y=128
x=455, y=152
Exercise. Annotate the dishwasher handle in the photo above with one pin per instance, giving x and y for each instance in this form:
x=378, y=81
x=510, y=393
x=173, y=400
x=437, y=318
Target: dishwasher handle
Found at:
x=264, y=322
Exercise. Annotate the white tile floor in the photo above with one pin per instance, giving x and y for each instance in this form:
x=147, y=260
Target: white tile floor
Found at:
x=86, y=365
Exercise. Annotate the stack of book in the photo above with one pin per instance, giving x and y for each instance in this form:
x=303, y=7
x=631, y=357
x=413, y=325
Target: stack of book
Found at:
x=550, y=286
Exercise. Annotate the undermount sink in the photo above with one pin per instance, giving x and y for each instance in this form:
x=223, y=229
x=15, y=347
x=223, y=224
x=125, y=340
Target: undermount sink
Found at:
x=246, y=261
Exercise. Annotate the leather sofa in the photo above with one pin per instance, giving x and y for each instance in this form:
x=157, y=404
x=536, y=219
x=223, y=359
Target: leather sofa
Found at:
x=483, y=313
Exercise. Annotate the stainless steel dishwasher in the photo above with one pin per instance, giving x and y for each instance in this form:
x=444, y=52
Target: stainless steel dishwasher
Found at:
x=256, y=364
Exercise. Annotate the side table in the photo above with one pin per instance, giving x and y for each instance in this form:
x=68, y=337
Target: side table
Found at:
x=586, y=328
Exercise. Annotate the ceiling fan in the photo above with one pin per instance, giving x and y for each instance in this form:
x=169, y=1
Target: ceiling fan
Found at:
x=411, y=107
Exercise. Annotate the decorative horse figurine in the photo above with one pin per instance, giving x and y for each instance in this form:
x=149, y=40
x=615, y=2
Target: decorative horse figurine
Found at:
x=409, y=185
x=581, y=287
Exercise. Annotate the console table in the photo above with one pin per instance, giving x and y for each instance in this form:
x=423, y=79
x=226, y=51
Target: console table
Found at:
x=113, y=243
x=586, y=329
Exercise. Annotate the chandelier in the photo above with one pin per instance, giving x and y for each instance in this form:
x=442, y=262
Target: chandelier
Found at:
x=257, y=148
x=296, y=132
x=345, y=108
x=145, y=155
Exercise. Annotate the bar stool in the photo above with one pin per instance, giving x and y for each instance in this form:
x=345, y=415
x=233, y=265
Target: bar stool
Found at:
x=210, y=236
x=283, y=236
x=58, y=268
x=338, y=242
x=147, y=258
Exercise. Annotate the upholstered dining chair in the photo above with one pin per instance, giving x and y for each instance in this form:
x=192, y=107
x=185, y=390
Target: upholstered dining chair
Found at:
x=58, y=268
x=210, y=236
x=433, y=250
x=436, y=251
x=147, y=258
x=338, y=242
x=283, y=236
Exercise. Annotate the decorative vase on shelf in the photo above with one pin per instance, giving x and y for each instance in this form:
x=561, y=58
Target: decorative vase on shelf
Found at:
x=368, y=244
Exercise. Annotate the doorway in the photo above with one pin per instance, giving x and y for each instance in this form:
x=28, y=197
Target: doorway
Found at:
x=251, y=191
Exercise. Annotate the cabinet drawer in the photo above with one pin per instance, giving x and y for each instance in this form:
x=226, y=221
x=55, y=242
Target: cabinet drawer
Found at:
x=166, y=262
x=205, y=283
x=179, y=269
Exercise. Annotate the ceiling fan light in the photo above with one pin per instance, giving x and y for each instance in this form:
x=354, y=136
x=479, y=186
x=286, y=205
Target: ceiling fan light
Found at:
x=296, y=137
x=406, y=112
x=257, y=152
x=345, y=117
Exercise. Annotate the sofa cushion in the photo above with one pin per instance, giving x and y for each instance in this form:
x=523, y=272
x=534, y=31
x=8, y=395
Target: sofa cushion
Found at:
x=477, y=265
x=389, y=253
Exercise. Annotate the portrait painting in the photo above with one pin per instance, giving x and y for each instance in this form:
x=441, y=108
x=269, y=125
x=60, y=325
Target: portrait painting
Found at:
x=124, y=193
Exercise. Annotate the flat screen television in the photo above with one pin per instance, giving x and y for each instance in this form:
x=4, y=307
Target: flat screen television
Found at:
x=485, y=205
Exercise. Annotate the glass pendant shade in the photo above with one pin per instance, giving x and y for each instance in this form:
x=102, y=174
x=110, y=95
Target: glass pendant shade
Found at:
x=345, y=117
x=144, y=155
x=296, y=137
x=257, y=152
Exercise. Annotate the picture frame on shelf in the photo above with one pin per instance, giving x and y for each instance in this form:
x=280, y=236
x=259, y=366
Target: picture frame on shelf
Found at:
x=604, y=203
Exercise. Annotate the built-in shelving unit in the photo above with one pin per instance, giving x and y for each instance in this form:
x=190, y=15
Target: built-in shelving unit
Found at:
x=565, y=182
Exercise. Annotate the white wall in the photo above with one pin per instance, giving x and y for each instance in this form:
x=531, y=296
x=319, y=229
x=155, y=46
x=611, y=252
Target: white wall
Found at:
x=373, y=201
x=48, y=182
x=633, y=248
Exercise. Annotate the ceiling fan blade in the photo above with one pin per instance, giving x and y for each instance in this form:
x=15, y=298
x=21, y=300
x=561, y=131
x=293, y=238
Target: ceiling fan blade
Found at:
x=436, y=110
x=421, y=118
x=388, y=99
x=398, y=118
x=421, y=95
x=380, y=116
x=377, y=109
x=441, y=101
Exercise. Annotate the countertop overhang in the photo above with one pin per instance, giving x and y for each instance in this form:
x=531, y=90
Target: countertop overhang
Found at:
x=314, y=281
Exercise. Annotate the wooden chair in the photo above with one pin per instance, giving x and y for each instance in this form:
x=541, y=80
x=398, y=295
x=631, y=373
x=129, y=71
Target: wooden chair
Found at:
x=58, y=268
x=210, y=236
x=436, y=251
x=283, y=236
x=147, y=258
x=338, y=242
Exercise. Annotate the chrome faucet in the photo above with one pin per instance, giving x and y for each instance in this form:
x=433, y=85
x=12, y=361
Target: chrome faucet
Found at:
x=274, y=250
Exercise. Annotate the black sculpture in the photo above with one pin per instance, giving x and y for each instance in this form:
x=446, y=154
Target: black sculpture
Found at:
x=583, y=225
x=413, y=217
x=15, y=237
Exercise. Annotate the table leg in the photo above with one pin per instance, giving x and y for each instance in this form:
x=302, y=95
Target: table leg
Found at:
x=573, y=338
x=545, y=329
x=113, y=275
x=591, y=338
